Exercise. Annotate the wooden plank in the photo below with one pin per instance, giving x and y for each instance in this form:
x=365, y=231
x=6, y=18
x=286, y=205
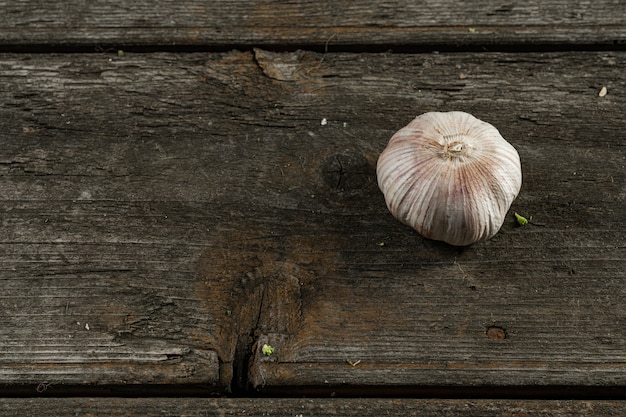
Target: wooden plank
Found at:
x=96, y=287
x=223, y=407
x=191, y=208
x=340, y=407
x=311, y=24
x=415, y=312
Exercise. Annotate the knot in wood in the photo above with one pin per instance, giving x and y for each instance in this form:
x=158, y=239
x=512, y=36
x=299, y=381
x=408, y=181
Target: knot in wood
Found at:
x=347, y=173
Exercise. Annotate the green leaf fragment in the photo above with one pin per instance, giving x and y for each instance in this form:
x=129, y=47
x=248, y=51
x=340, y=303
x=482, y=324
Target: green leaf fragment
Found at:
x=267, y=350
x=521, y=220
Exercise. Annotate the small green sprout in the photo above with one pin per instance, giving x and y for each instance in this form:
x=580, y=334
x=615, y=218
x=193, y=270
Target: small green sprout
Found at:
x=521, y=220
x=381, y=244
x=267, y=350
x=472, y=30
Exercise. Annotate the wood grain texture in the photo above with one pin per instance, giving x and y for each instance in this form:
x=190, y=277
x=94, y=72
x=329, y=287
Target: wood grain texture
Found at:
x=191, y=208
x=303, y=407
x=96, y=288
x=312, y=24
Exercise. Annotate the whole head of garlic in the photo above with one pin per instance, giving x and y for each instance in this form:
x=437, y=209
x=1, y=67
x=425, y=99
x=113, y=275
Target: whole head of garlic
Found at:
x=450, y=176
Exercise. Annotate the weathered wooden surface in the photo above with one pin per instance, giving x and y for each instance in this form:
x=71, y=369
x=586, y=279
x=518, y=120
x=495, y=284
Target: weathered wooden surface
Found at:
x=364, y=24
x=304, y=407
x=98, y=265
x=190, y=208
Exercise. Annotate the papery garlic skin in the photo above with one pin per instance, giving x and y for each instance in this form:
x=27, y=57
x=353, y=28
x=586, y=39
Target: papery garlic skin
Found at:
x=450, y=176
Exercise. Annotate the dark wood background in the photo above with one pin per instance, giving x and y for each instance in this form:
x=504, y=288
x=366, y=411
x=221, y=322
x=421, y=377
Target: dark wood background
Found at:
x=184, y=182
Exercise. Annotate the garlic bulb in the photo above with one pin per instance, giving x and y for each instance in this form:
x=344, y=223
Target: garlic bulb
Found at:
x=450, y=176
